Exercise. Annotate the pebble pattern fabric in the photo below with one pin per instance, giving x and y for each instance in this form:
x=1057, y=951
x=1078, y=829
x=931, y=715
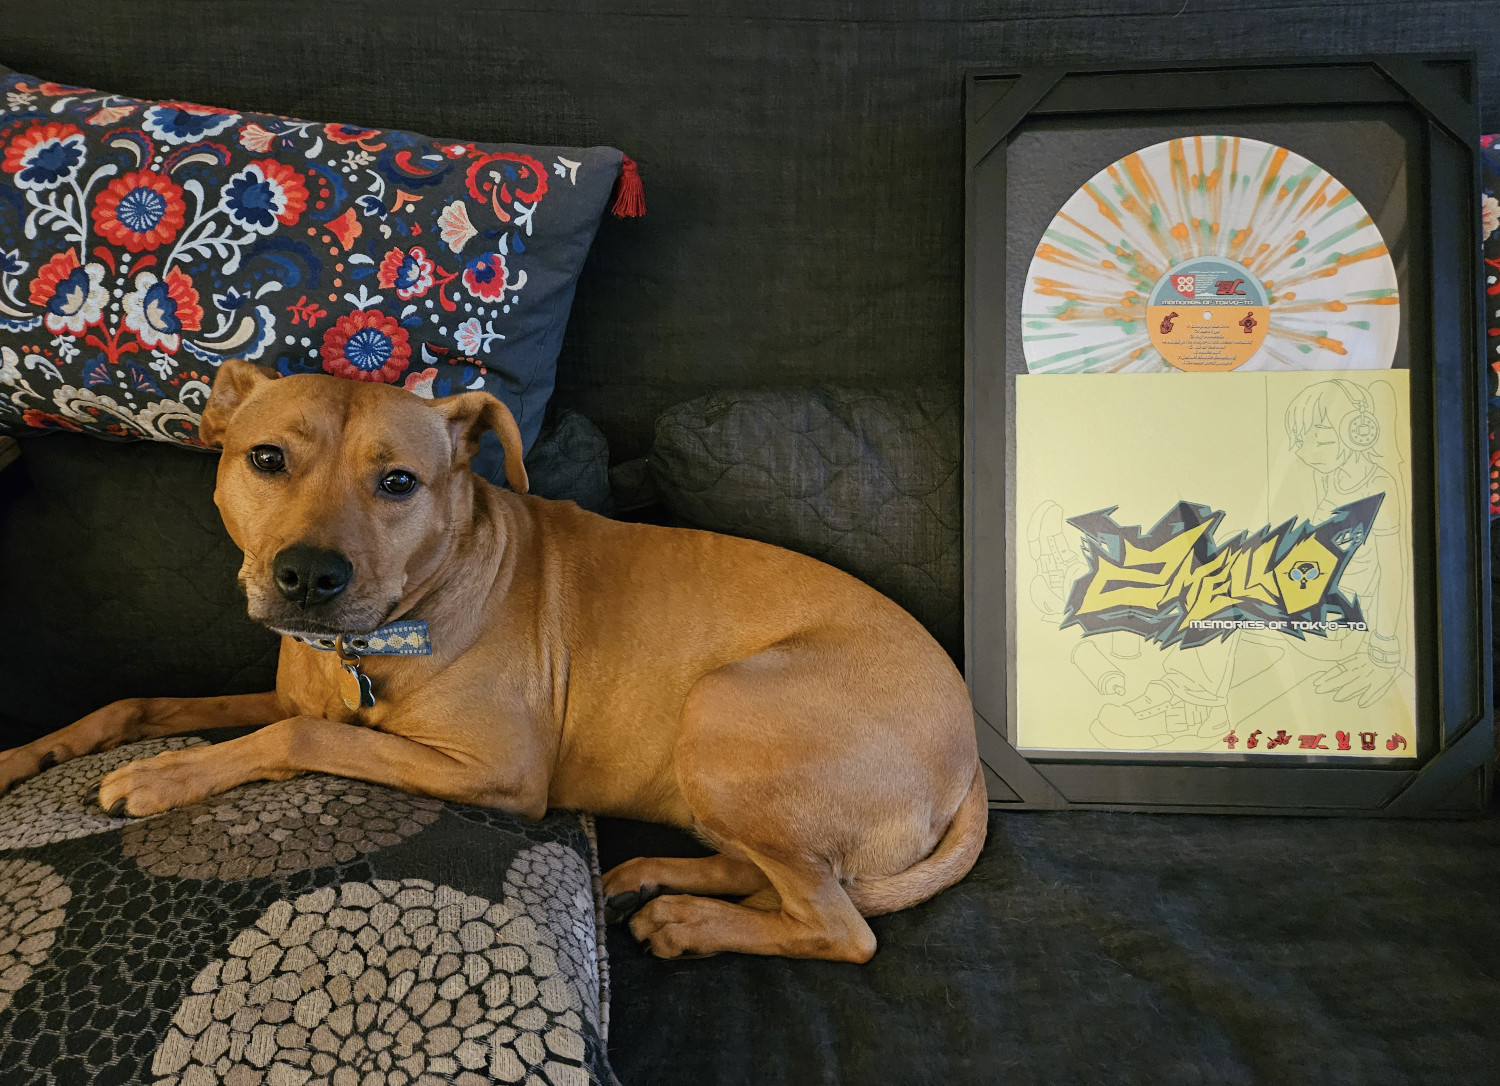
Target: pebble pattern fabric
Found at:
x=311, y=931
x=276, y=828
x=32, y=908
x=60, y=804
x=382, y=983
x=142, y=243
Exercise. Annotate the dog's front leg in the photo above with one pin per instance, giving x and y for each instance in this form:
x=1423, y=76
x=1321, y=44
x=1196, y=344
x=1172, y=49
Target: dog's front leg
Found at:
x=306, y=744
x=133, y=719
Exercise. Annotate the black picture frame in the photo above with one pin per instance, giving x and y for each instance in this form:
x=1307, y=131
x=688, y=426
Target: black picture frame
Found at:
x=1432, y=101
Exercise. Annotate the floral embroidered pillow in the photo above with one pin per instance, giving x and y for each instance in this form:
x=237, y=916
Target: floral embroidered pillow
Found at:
x=142, y=243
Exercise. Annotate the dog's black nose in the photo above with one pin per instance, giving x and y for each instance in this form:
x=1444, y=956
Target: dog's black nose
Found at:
x=310, y=575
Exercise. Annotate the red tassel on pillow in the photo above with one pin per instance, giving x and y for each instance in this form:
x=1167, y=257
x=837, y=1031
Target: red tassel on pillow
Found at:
x=630, y=196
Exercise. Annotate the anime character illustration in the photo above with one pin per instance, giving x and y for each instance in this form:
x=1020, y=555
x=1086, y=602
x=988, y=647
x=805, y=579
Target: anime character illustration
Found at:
x=1253, y=628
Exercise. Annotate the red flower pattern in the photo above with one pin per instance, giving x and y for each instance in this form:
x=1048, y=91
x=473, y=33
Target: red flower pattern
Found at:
x=291, y=184
x=44, y=286
x=485, y=277
x=366, y=345
x=142, y=210
x=349, y=133
x=410, y=274
x=15, y=154
x=181, y=290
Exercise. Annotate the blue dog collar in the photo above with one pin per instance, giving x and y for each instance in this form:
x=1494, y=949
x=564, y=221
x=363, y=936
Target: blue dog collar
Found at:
x=405, y=638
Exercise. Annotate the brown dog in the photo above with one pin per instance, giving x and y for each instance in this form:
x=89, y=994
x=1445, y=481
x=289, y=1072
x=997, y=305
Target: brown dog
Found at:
x=799, y=721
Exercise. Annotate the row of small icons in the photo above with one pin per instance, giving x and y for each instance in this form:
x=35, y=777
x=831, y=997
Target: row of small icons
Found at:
x=1247, y=322
x=1316, y=741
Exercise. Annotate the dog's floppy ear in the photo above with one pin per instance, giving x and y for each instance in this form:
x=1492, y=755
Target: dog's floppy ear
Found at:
x=469, y=415
x=232, y=387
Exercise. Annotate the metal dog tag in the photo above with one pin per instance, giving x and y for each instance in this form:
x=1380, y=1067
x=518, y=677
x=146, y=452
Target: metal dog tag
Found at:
x=355, y=688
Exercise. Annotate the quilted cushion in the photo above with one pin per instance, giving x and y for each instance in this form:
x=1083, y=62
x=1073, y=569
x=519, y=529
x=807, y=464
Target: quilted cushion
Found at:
x=141, y=243
x=307, y=931
x=569, y=462
x=868, y=482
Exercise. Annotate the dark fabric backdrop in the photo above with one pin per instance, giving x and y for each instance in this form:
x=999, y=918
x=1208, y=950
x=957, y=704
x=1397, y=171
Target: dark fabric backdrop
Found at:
x=802, y=158
x=804, y=181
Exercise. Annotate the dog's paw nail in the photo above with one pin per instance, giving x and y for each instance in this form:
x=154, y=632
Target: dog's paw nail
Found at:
x=48, y=761
x=621, y=907
x=117, y=808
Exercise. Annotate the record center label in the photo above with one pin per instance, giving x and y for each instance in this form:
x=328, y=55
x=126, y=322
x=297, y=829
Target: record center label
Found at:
x=1208, y=314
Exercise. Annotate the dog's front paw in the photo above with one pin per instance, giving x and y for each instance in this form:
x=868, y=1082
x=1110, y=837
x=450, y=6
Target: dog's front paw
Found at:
x=620, y=907
x=627, y=887
x=23, y=763
x=152, y=785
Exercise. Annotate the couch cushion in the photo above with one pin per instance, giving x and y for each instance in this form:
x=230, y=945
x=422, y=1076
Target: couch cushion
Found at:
x=866, y=481
x=315, y=929
x=141, y=243
x=569, y=462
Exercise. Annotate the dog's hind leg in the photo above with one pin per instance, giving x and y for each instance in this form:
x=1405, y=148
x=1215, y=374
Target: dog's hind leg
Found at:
x=133, y=719
x=763, y=778
x=631, y=884
x=814, y=919
x=824, y=767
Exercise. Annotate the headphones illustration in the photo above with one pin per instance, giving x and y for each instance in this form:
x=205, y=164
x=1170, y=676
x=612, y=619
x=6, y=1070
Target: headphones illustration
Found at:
x=1361, y=429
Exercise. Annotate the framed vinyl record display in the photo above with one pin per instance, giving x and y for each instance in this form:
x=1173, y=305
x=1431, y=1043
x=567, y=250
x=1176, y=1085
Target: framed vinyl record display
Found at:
x=1226, y=538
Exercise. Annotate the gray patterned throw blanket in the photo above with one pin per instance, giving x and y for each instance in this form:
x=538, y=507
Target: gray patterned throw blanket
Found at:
x=311, y=932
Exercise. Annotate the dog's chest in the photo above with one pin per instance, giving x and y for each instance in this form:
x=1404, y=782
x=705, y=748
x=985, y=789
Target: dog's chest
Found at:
x=321, y=687
x=327, y=703
x=350, y=679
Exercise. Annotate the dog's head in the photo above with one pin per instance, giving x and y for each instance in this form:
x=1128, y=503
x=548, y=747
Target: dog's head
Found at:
x=345, y=496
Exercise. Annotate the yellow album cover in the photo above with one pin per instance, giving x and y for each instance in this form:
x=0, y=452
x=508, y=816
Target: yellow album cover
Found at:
x=1214, y=563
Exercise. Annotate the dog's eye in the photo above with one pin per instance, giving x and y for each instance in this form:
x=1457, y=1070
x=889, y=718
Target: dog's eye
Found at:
x=398, y=483
x=267, y=458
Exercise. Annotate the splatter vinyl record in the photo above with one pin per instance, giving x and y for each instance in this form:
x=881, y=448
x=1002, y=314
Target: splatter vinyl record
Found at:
x=1210, y=254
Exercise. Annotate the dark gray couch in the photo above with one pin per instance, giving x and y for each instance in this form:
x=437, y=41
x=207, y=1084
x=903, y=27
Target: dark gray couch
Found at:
x=804, y=181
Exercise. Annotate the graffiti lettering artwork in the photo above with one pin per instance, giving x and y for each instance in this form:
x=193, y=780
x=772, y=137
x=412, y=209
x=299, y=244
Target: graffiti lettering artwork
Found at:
x=1175, y=585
